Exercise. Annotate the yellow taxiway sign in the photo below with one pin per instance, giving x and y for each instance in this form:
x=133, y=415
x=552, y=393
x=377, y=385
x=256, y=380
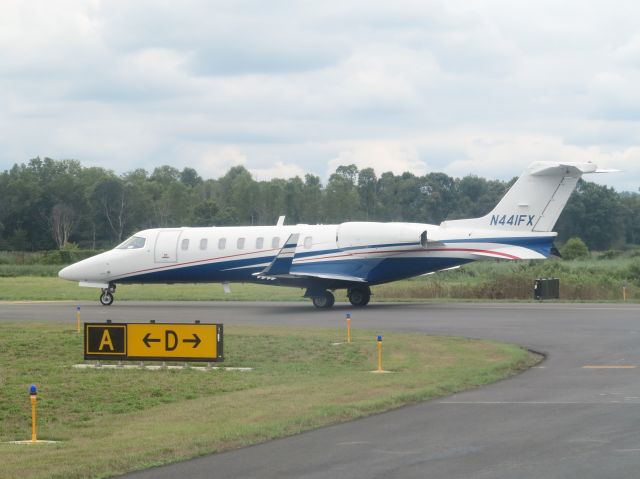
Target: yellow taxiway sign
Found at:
x=153, y=341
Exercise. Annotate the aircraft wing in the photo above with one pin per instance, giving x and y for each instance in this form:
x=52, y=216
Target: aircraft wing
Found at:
x=333, y=276
x=281, y=264
x=280, y=267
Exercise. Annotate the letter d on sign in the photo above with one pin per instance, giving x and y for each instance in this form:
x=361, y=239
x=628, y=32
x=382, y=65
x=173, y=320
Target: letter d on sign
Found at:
x=170, y=345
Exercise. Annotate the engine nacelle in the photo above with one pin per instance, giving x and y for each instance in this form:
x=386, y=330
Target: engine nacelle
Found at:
x=361, y=234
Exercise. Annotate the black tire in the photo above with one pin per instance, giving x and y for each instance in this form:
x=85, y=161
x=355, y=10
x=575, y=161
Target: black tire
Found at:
x=359, y=297
x=106, y=298
x=325, y=301
x=332, y=299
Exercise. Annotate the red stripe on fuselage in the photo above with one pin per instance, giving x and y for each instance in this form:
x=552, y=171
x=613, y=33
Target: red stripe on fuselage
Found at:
x=158, y=268
x=466, y=250
x=343, y=255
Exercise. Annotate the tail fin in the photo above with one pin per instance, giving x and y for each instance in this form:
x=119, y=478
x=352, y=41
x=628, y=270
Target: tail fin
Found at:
x=535, y=200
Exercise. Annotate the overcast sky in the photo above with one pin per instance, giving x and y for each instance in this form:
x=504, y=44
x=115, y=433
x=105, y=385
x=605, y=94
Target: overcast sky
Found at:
x=286, y=88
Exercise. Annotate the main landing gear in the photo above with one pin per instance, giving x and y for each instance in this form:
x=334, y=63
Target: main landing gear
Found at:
x=359, y=296
x=106, y=296
x=323, y=299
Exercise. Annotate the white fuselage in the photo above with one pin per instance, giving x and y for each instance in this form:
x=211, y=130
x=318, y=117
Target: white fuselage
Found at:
x=370, y=253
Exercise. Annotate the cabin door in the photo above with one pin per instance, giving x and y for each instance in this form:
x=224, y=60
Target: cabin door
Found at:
x=167, y=246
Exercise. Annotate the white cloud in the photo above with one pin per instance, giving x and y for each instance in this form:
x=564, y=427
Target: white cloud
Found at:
x=212, y=162
x=507, y=156
x=381, y=156
x=287, y=88
x=278, y=170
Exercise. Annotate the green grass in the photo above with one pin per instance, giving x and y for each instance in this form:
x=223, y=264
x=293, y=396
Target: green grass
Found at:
x=113, y=421
x=600, y=278
x=28, y=288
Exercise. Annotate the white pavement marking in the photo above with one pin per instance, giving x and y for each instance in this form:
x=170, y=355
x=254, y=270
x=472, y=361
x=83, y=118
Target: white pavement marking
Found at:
x=609, y=366
x=28, y=441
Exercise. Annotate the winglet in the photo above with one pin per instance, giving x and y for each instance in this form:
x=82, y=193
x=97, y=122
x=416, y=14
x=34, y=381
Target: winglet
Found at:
x=281, y=264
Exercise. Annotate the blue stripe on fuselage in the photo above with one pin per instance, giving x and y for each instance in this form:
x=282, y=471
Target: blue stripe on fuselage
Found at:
x=375, y=270
x=214, y=272
x=539, y=244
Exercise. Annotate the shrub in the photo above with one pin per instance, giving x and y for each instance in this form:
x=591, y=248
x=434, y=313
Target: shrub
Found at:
x=609, y=254
x=574, y=248
x=633, y=272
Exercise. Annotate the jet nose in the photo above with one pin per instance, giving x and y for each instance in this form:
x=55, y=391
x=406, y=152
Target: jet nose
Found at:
x=66, y=273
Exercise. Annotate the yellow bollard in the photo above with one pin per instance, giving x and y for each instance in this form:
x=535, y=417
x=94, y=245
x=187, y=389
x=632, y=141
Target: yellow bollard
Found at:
x=78, y=319
x=33, y=391
x=624, y=293
x=379, y=354
x=348, y=327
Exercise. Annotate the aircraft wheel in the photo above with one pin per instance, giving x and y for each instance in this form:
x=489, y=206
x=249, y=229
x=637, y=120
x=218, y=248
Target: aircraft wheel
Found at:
x=106, y=298
x=332, y=299
x=359, y=297
x=325, y=301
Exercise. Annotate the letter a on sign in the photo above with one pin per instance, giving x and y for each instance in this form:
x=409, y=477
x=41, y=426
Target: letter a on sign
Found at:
x=106, y=341
x=103, y=340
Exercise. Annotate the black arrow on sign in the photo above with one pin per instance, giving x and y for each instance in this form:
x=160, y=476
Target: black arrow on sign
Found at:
x=146, y=340
x=196, y=340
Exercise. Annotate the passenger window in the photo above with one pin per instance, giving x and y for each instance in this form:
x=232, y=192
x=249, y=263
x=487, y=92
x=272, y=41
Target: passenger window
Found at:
x=308, y=242
x=203, y=243
x=259, y=243
x=185, y=244
x=275, y=243
x=222, y=243
x=240, y=243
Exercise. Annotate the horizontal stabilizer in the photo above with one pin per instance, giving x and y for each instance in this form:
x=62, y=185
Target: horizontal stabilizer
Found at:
x=281, y=264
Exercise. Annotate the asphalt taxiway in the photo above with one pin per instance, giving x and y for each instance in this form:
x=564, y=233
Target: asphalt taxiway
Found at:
x=576, y=415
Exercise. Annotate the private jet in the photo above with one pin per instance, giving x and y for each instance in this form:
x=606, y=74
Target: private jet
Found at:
x=351, y=256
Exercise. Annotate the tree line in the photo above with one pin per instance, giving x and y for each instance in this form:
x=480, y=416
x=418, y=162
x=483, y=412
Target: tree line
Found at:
x=55, y=204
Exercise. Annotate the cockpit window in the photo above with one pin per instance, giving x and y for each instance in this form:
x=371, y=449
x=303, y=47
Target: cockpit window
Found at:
x=134, y=242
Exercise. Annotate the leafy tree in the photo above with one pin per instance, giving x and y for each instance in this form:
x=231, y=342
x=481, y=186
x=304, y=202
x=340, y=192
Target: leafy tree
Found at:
x=209, y=213
x=165, y=174
x=112, y=197
x=593, y=213
x=630, y=212
x=61, y=222
x=311, y=200
x=341, y=201
x=348, y=172
x=271, y=201
x=439, y=195
x=50, y=203
x=367, y=186
x=239, y=191
x=190, y=177
x=387, y=193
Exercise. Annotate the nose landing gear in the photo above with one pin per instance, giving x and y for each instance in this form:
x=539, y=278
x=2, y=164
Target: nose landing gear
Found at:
x=106, y=296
